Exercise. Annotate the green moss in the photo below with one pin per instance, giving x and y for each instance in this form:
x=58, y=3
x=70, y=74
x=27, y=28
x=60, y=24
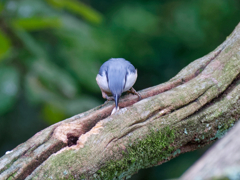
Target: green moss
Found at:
x=178, y=151
x=222, y=129
x=12, y=176
x=144, y=153
x=197, y=139
x=201, y=69
x=71, y=177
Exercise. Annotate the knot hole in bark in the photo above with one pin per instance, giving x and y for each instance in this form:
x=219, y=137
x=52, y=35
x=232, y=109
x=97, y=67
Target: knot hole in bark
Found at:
x=72, y=140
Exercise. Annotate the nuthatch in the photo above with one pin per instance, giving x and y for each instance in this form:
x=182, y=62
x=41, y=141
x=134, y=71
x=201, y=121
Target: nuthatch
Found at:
x=116, y=76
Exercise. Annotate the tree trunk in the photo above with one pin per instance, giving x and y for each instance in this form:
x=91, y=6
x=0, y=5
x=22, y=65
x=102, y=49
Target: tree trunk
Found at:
x=191, y=110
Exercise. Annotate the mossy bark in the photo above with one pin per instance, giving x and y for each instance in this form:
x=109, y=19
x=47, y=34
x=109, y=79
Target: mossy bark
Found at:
x=193, y=109
x=222, y=161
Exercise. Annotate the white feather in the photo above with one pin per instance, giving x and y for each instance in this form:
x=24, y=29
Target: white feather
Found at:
x=131, y=79
x=102, y=82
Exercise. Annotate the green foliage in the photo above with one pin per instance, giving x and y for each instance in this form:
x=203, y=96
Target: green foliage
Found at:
x=5, y=45
x=79, y=8
x=36, y=23
x=47, y=44
x=9, y=87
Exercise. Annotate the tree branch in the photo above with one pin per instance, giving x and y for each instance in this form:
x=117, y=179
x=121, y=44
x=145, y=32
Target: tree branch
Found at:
x=219, y=162
x=191, y=110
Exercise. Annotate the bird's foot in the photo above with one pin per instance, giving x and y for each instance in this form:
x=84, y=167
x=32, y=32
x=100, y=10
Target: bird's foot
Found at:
x=110, y=98
x=133, y=91
x=105, y=96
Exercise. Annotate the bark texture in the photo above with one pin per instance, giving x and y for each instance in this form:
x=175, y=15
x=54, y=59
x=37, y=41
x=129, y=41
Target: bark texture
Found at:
x=193, y=109
x=222, y=161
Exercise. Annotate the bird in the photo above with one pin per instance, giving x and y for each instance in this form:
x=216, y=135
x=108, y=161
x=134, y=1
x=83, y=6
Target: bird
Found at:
x=116, y=76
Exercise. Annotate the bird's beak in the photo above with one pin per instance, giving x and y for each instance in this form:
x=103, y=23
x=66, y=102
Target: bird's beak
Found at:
x=116, y=98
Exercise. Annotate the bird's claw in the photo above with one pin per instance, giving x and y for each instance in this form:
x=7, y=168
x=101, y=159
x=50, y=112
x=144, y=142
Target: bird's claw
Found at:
x=110, y=98
x=133, y=91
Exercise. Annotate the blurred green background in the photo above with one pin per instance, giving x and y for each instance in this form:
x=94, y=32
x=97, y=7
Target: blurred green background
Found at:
x=51, y=50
